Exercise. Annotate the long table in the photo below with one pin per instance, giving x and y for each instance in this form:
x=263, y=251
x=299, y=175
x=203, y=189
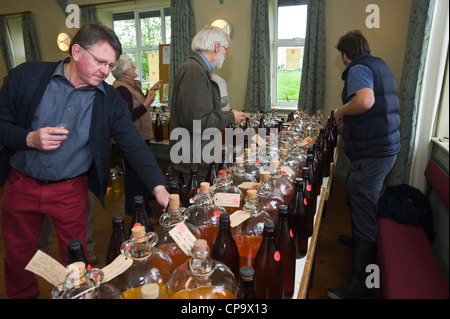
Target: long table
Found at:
x=304, y=266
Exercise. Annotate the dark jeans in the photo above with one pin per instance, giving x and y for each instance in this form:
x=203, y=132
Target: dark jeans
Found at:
x=364, y=182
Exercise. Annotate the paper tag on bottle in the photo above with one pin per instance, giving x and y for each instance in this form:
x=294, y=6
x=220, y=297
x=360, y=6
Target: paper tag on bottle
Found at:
x=183, y=237
x=116, y=267
x=248, y=185
x=238, y=217
x=227, y=199
x=286, y=170
x=48, y=268
x=259, y=140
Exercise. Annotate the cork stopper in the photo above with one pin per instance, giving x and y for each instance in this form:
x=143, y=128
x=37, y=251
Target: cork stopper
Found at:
x=276, y=163
x=204, y=187
x=265, y=176
x=247, y=152
x=174, y=202
x=138, y=231
x=283, y=151
x=251, y=193
x=149, y=291
x=200, y=245
x=253, y=146
x=239, y=161
x=285, y=144
x=76, y=270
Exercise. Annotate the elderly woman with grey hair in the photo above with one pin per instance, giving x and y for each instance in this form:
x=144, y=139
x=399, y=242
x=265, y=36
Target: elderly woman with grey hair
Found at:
x=131, y=91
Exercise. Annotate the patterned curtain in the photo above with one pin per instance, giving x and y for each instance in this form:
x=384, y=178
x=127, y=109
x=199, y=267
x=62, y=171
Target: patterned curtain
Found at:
x=89, y=13
x=182, y=33
x=312, y=86
x=5, y=45
x=258, y=83
x=30, y=40
x=410, y=87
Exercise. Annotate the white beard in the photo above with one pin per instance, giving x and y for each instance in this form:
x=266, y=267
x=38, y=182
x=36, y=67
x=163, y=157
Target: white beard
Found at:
x=218, y=61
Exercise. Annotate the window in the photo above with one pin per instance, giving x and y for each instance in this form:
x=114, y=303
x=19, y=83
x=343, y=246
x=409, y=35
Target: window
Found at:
x=141, y=32
x=289, y=41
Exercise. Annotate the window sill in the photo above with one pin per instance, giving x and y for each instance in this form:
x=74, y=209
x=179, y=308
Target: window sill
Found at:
x=441, y=144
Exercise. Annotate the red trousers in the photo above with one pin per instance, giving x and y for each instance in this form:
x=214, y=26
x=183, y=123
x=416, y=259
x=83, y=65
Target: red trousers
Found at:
x=25, y=204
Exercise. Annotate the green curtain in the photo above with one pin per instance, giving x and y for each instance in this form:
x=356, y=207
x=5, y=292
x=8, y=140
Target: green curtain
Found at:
x=5, y=45
x=89, y=13
x=182, y=33
x=258, y=83
x=30, y=40
x=312, y=85
x=410, y=87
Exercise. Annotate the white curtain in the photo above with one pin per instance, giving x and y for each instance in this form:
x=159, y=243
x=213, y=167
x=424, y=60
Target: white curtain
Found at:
x=431, y=91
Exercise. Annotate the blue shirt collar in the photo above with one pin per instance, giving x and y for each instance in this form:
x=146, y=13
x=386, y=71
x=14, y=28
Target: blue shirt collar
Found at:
x=59, y=71
x=210, y=68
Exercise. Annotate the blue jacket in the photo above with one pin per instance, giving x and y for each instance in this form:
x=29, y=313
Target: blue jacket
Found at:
x=19, y=97
x=374, y=133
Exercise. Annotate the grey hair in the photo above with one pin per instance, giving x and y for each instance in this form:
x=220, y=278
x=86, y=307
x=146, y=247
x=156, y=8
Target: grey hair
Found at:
x=123, y=64
x=207, y=37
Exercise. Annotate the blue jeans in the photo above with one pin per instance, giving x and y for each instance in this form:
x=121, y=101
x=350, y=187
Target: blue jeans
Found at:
x=364, y=182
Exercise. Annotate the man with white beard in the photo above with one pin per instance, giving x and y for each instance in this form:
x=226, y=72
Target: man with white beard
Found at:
x=196, y=96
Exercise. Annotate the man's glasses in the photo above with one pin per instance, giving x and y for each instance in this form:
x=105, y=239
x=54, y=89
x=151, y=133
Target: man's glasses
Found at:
x=100, y=63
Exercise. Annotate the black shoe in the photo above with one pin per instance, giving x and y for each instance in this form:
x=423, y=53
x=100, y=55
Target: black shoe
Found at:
x=364, y=253
x=346, y=241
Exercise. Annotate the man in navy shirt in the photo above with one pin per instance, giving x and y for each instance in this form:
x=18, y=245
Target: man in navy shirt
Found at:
x=372, y=142
x=47, y=169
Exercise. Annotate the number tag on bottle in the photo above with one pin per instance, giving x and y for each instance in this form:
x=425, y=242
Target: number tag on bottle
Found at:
x=238, y=217
x=227, y=199
x=183, y=237
x=286, y=170
x=116, y=267
x=48, y=268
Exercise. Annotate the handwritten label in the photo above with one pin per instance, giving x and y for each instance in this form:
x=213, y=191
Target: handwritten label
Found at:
x=258, y=140
x=248, y=185
x=116, y=267
x=48, y=268
x=286, y=170
x=183, y=237
x=238, y=217
x=227, y=199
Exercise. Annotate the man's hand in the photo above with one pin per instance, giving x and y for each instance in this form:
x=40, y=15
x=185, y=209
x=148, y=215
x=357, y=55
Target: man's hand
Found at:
x=238, y=116
x=47, y=138
x=162, y=196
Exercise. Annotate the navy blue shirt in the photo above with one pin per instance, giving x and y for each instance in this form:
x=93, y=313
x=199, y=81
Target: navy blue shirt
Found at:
x=61, y=103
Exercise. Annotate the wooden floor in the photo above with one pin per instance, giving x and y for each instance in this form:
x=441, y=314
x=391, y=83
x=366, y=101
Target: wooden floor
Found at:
x=332, y=263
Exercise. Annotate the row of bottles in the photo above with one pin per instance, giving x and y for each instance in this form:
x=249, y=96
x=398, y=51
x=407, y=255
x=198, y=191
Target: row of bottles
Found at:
x=245, y=225
x=205, y=275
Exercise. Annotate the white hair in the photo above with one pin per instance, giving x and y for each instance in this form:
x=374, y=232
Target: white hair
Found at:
x=207, y=37
x=123, y=64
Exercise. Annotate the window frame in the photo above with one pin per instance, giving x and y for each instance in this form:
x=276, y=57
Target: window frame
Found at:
x=295, y=42
x=140, y=48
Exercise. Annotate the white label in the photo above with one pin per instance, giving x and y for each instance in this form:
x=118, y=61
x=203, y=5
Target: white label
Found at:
x=238, y=217
x=248, y=185
x=48, y=268
x=286, y=170
x=227, y=199
x=183, y=237
x=116, y=267
x=259, y=140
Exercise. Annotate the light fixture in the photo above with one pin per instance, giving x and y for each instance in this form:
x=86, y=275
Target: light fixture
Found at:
x=63, y=41
x=223, y=24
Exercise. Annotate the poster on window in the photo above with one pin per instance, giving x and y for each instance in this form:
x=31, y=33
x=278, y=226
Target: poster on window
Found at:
x=153, y=68
x=293, y=59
